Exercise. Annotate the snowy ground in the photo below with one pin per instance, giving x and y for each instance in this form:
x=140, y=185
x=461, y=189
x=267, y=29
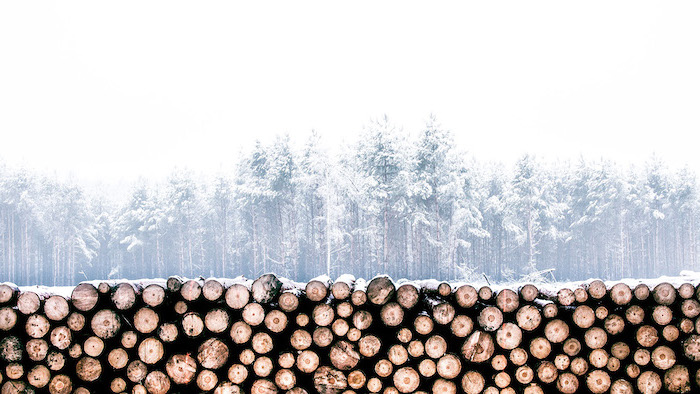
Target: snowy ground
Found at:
x=548, y=289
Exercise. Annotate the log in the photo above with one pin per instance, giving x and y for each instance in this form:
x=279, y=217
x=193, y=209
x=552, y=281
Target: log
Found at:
x=649, y=382
x=341, y=290
x=28, y=303
x=485, y=293
x=118, y=358
x=340, y=327
x=572, y=347
x=329, y=381
x=595, y=338
x=88, y=369
x=173, y=284
x=136, y=371
x=262, y=366
x=316, y=290
x=217, y=320
x=547, y=372
x=191, y=290
x=307, y=361
x=614, y=324
x=153, y=295
x=75, y=321
x=642, y=292
x=490, y=318
x=213, y=353
x=105, y=324
x=566, y=297
x=528, y=317
x=406, y=380
x=556, y=331
x=540, y=348
x=212, y=290
x=466, y=296
x=550, y=311
x=435, y=346
x=407, y=296
x=8, y=292
x=663, y=357
x=157, y=382
x=322, y=337
x=285, y=379
x=266, y=288
x=8, y=319
x=56, y=308
x=192, y=324
x=207, y=380
x=237, y=296
x=397, y=354
x=262, y=343
x=509, y=336
x=358, y=297
x=55, y=361
x=507, y=300
x=84, y=297
x=461, y=326
x=518, y=356
x=529, y=293
x=583, y=316
x=37, y=326
x=151, y=350
x=598, y=358
x=323, y=315
x=444, y=386
x=580, y=295
x=167, y=332
x=288, y=302
x=677, y=379
x=128, y=339
x=93, y=346
x=620, y=294
x=253, y=314
x=380, y=290
x=344, y=356
x=146, y=320
x=443, y=313
x=478, y=347
x=664, y=294
x=181, y=307
x=567, y=383
x=123, y=296
x=383, y=368
x=473, y=382
x=237, y=373
x=449, y=366
x=14, y=371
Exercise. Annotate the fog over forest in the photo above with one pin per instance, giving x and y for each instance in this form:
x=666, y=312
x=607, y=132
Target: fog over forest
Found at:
x=413, y=207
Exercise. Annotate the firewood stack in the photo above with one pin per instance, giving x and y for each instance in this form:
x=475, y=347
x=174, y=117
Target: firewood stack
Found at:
x=260, y=337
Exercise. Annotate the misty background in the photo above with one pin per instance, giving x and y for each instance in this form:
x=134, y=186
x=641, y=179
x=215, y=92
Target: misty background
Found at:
x=149, y=139
x=409, y=207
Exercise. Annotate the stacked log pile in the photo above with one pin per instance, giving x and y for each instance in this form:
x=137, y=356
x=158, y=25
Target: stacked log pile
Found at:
x=188, y=336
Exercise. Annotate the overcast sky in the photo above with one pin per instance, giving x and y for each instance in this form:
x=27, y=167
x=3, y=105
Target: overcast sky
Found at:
x=117, y=90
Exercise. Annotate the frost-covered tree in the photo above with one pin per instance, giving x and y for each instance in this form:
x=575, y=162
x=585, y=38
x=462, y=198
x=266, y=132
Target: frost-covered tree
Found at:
x=382, y=157
x=410, y=205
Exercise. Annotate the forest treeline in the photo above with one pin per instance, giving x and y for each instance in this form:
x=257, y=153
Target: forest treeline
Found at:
x=412, y=207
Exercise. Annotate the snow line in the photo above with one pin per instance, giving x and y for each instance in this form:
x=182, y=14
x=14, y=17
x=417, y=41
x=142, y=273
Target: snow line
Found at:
x=547, y=289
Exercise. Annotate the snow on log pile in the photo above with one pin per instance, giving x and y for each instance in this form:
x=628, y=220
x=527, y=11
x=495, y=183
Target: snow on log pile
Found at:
x=350, y=336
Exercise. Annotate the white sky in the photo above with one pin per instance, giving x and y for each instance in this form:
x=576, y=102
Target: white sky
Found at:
x=117, y=90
